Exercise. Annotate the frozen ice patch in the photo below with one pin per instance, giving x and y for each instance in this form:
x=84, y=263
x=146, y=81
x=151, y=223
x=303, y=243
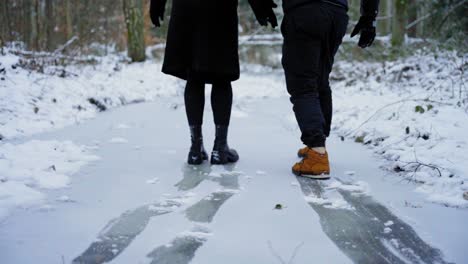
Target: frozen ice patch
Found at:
x=65, y=199
x=236, y=113
x=122, y=126
x=28, y=167
x=153, y=181
x=16, y=194
x=358, y=187
x=118, y=140
x=294, y=184
x=331, y=201
x=199, y=232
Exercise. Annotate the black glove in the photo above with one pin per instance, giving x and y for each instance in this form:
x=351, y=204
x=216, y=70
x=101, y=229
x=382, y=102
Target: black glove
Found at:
x=366, y=26
x=157, y=8
x=271, y=17
x=263, y=10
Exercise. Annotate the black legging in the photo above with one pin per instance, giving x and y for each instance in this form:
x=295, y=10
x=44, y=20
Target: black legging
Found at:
x=221, y=102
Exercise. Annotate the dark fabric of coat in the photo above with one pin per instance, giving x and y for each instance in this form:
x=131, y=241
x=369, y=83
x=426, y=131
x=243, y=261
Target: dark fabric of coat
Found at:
x=368, y=7
x=290, y=4
x=202, y=41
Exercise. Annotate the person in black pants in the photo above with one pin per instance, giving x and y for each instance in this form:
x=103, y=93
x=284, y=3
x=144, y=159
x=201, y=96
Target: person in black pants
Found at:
x=202, y=48
x=313, y=31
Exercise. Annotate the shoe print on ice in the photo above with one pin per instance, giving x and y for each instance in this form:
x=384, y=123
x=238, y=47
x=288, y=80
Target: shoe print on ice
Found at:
x=366, y=231
x=120, y=232
x=193, y=176
x=182, y=249
x=205, y=210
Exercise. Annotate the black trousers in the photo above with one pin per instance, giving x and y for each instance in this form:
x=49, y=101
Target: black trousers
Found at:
x=221, y=102
x=312, y=35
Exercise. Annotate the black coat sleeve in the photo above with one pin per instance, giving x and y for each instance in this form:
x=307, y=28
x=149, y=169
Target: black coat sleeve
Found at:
x=370, y=8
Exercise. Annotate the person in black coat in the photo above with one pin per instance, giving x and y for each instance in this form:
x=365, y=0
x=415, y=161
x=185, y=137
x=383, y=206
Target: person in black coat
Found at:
x=313, y=31
x=202, y=48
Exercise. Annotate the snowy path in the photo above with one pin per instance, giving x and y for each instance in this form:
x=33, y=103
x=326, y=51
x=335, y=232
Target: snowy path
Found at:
x=141, y=204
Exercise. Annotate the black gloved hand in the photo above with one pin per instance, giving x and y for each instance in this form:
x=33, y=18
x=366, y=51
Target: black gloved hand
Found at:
x=157, y=8
x=366, y=26
x=263, y=10
x=271, y=17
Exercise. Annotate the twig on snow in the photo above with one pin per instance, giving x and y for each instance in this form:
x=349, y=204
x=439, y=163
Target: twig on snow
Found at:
x=275, y=254
x=392, y=104
x=279, y=258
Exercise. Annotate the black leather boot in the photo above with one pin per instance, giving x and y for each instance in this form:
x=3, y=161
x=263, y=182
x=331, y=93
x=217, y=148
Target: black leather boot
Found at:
x=222, y=154
x=197, y=152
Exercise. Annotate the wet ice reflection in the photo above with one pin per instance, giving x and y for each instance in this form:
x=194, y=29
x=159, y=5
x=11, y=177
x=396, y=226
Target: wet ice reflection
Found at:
x=193, y=176
x=181, y=250
x=206, y=209
x=120, y=232
x=369, y=233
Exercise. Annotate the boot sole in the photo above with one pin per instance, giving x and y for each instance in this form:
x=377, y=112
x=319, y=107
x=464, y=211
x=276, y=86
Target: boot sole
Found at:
x=198, y=161
x=223, y=158
x=323, y=176
x=222, y=162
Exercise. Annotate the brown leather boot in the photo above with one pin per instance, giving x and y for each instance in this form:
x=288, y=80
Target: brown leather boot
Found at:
x=314, y=165
x=302, y=153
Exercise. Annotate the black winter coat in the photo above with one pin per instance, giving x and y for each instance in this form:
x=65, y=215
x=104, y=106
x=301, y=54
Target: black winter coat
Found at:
x=369, y=8
x=202, y=40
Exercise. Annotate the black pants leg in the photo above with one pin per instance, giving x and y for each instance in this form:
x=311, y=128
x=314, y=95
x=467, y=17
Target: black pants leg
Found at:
x=194, y=101
x=312, y=34
x=221, y=102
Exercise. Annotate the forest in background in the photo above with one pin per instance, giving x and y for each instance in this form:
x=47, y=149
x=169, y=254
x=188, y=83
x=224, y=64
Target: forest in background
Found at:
x=99, y=27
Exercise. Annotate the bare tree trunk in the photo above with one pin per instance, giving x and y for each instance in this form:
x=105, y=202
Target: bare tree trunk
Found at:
x=68, y=20
x=422, y=10
x=26, y=15
x=133, y=11
x=35, y=26
x=41, y=26
x=413, y=16
x=399, y=22
x=50, y=24
x=384, y=23
x=5, y=23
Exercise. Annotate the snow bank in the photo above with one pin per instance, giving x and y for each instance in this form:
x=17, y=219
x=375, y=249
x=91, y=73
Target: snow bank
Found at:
x=413, y=113
x=28, y=168
x=32, y=102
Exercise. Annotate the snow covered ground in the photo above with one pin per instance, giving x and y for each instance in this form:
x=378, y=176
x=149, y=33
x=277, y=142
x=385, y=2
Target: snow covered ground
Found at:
x=412, y=113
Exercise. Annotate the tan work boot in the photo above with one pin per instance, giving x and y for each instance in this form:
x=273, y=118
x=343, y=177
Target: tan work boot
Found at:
x=302, y=153
x=314, y=165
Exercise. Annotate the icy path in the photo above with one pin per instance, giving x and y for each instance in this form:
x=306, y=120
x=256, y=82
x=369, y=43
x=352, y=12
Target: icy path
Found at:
x=141, y=204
